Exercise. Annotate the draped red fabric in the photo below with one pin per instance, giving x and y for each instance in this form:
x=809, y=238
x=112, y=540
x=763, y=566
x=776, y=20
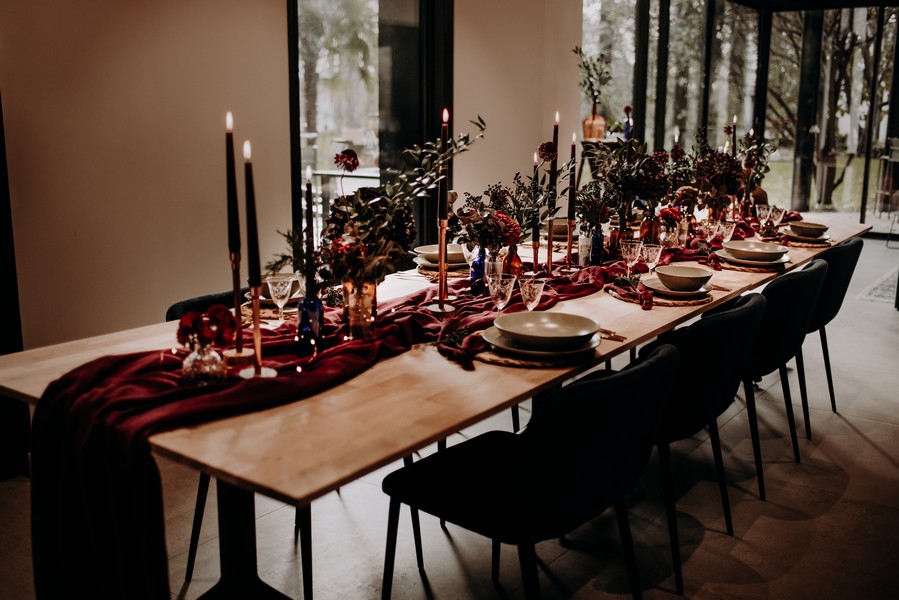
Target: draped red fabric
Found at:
x=97, y=516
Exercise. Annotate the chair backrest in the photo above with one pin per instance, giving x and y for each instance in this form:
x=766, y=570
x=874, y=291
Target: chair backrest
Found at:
x=841, y=261
x=791, y=303
x=201, y=303
x=591, y=440
x=714, y=352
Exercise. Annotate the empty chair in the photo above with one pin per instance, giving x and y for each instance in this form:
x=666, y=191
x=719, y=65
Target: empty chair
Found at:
x=702, y=394
x=841, y=261
x=791, y=301
x=580, y=454
x=201, y=303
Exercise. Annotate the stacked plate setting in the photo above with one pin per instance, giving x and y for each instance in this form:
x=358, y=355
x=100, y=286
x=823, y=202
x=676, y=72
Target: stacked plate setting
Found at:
x=543, y=334
x=680, y=281
x=755, y=254
x=428, y=257
x=804, y=231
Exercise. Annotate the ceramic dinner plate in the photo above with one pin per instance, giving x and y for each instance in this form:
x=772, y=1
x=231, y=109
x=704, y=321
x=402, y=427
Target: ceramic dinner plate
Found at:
x=821, y=239
x=496, y=339
x=655, y=285
x=752, y=263
x=426, y=264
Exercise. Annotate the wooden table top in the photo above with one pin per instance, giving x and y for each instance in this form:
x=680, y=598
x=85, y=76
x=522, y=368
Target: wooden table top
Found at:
x=300, y=451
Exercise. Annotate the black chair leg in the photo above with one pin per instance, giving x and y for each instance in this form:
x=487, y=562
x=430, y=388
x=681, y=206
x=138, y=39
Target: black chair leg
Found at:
x=527, y=558
x=416, y=535
x=633, y=355
x=754, y=434
x=516, y=423
x=627, y=544
x=722, y=481
x=441, y=446
x=494, y=562
x=393, y=521
x=788, y=402
x=803, y=393
x=673, y=536
x=833, y=399
x=303, y=524
x=199, y=509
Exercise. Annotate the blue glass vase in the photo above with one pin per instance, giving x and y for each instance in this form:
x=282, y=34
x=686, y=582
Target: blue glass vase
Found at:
x=597, y=248
x=310, y=324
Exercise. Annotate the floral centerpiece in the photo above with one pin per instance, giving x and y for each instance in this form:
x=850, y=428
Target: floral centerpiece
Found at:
x=484, y=220
x=594, y=74
x=754, y=153
x=199, y=331
x=718, y=176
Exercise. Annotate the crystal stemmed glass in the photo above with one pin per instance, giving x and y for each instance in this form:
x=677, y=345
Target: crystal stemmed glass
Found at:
x=726, y=229
x=470, y=253
x=500, y=287
x=630, y=252
x=763, y=210
x=279, y=288
x=709, y=229
x=531, y=289
x=776, y=214
x=651, y=254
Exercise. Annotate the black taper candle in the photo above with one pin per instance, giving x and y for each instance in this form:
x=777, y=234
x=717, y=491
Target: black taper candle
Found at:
x=254, y=279
x=310, y=233
x=553, y=166
x=231, y=186
x=572, y=184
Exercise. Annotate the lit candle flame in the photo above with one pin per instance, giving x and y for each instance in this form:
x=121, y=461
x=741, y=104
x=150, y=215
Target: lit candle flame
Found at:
x=308, y=174
x=574, y=137
x=557, y=117
x=735, y=119
x=535, y=158
x=229, y=122
x=445, y=115
x=247, y=151
x=751, y=131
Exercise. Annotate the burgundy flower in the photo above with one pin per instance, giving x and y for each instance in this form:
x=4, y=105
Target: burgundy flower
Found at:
x=189, y=326
x=670, y=215
x=628, y=109
x=728, y=130
x=347, y=160
x=511, y=228
x=547, y=152
x=223, y=322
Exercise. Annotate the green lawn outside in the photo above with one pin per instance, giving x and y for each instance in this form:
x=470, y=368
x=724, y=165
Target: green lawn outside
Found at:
x=779, y=182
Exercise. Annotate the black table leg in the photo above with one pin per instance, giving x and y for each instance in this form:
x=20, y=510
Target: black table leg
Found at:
x=237, y=546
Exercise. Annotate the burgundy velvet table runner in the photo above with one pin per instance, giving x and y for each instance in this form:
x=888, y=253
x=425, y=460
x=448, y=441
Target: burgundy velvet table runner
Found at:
x=97, y=515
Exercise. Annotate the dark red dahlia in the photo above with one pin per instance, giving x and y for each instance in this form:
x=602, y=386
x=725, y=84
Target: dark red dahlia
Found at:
x=347, y=160
x=547, y=152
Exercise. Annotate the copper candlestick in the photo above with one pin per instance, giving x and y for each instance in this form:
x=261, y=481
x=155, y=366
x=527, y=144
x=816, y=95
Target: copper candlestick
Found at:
x=568, y=268
x=441, y=307
x=257, y=370
x=549, y=248
x=238, y=356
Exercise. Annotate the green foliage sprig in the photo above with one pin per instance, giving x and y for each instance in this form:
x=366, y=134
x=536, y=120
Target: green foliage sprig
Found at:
x=594, y=73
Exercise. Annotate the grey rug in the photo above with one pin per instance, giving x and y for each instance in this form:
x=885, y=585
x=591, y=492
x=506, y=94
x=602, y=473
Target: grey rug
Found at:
x=882, y=290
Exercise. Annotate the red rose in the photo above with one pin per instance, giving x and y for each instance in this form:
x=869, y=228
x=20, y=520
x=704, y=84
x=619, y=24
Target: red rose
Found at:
x=347, y=160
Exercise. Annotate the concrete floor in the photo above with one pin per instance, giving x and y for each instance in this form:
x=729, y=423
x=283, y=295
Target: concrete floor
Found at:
x=829, y=529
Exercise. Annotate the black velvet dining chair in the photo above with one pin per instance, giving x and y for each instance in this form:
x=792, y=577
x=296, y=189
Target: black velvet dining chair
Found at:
x=841, y=261
x=791, y=300
x=580, y=454
x=201, y=303
x=702, y=392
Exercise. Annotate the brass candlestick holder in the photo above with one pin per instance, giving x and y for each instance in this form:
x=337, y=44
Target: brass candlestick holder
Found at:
x=568, y=268
x=257, y=370
x=441, y=307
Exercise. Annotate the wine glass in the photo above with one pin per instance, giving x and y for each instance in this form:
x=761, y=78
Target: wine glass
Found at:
x=531, y=289
x=762, y=210
x=630, y=253
x=726, y=229
x=470, y=252
x=709, y=229
x=651, y=254
x=776, y=214
x=279, y=288
x=500, y=287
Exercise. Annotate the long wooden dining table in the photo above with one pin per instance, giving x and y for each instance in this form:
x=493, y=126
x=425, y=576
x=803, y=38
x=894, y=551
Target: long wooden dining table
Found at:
x=300, y=451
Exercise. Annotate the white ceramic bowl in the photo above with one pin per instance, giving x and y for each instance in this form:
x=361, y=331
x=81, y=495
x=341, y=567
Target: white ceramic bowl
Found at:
x=546, y=330
x=453, y=253
x=749, y=250
x=807, y=229
x=682, y=278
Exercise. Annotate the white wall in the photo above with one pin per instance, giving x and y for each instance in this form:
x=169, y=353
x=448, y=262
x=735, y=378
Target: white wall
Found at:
x=115, y=139
x=514, y=67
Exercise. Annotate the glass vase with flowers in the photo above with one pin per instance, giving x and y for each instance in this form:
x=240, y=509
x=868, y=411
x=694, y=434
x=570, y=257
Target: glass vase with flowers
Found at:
x=199, y=331
x=718, y=175
x=595, y=73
